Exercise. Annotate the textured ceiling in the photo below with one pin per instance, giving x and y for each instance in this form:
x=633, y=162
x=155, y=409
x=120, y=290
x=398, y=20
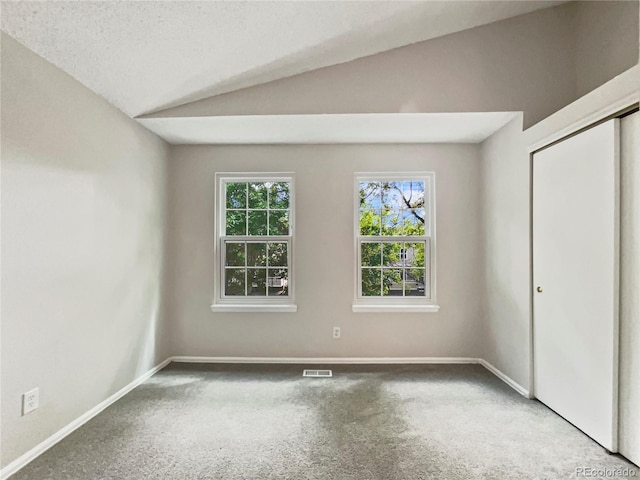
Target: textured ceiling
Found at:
x=143, y=56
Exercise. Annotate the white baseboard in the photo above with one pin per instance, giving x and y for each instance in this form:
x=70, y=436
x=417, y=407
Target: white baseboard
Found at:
x=39, y=449
x=506, y=379
x=328, y=360
x=359, y=361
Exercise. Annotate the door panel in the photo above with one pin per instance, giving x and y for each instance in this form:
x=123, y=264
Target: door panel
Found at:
x=630, y=288
x=575, y=263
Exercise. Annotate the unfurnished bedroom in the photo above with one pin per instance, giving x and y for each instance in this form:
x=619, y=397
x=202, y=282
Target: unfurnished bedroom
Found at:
x=346, y=240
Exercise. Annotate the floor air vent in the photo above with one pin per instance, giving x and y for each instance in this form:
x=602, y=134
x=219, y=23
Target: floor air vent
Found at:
x=317, y=373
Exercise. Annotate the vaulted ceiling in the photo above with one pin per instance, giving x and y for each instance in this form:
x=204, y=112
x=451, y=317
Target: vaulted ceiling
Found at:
x=143, y=56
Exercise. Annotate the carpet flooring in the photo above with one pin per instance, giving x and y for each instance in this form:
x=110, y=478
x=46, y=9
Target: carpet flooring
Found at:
x=441, y=422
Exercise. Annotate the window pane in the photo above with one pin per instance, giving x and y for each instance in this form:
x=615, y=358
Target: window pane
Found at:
x=236, y=195
x=257, y=254
x=393, y=266
x=392, y=254
x=370, y=195
x=414, y=282
x=371, y=282
x=392, y=195
x=257, y=222
x=278, y=222
x=279, y=195
x=235, y=254
x=257, y=281
x=369, y=221
x=257, y=195
x=413, y=193
x=278, y=281
x=370, y=254
x=236, y=222
x=278, y=254
x=414, y=254
x=391, y=222
x=414, y=221
x=392, y=282
x=255, y=263
x=234, y=281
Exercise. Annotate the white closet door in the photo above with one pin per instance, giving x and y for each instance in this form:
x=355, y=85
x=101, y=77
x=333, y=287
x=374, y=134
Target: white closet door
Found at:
x=630, y=289
x=575, y=265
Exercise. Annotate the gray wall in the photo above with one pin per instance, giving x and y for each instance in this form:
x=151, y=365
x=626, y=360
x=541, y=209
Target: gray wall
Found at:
x=324, y=256
x=83, y=228
x=505, y=254
x=604, y=40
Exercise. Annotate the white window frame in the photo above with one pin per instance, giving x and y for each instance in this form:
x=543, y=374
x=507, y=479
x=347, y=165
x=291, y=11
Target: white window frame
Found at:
x=427, y=303
x=222, y=302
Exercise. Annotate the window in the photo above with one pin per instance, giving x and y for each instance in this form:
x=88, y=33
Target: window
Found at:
x=254, y=243
x=395, y=232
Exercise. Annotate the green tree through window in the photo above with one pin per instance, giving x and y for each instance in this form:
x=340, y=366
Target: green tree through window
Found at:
x=392, y=243
x=256, y=238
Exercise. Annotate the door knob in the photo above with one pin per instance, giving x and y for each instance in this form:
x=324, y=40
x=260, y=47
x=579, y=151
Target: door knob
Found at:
x=539, y=289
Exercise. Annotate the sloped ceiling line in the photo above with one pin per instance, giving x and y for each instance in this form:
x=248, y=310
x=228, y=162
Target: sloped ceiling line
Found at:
x=146, y=56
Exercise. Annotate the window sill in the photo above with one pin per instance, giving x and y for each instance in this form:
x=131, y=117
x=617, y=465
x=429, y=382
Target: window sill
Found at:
x=395, y=308
x=254, y=308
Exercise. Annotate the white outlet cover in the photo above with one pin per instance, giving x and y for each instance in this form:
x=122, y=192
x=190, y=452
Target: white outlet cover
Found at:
x=30, y=401
x=336, y=332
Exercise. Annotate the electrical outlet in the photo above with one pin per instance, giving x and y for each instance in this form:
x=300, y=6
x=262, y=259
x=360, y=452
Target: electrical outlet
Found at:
x=336, y=332
x=30, y=401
